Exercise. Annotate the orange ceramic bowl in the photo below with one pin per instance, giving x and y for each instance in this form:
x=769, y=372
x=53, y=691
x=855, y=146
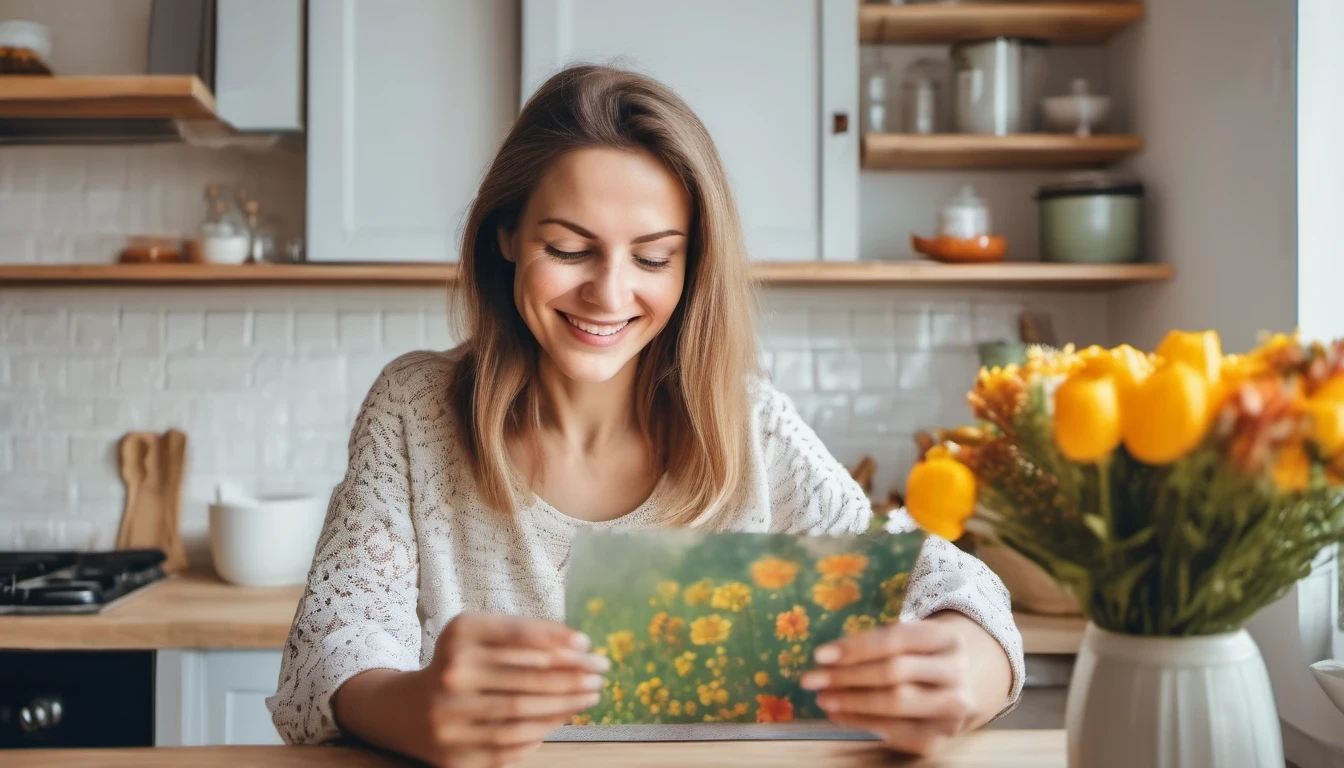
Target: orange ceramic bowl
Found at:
x=961, y=250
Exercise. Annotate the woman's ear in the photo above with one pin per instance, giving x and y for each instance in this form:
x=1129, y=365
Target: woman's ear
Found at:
x=505, y=243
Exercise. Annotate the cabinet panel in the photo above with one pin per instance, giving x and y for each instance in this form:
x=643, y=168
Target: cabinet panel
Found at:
x=766, y=77
x=215, y=697
x=407, y=102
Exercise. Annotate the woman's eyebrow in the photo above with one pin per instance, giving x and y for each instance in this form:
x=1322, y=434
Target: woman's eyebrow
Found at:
x=580, y=231
x=657, y=236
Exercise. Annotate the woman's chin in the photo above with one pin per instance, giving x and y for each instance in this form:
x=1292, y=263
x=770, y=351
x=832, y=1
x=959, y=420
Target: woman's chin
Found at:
x=591, y=367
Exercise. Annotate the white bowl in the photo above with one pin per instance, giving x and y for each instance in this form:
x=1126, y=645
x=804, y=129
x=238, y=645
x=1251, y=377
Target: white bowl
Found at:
x=268, y=543
x=1077, y=114
x=1329, y=675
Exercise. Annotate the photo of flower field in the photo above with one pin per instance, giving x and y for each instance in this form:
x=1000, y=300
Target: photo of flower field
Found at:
x=717, y=627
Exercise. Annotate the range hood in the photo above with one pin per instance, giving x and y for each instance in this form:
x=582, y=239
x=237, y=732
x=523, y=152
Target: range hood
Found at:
x=251, y=51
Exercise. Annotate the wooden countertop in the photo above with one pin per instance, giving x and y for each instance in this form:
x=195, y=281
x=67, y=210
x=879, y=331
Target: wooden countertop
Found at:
x=984, y=749
x=193, y=610
x=197, y=610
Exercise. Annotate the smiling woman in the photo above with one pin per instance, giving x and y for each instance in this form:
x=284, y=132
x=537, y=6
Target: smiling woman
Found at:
x=608, y=380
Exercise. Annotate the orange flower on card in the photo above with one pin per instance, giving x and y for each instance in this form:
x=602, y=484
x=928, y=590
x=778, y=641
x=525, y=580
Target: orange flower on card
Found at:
x=792, y=625
x=843, y=566
x=857, y=624
x=834, y=595
x=773, y=573
x=773, y=709
x=710, y=630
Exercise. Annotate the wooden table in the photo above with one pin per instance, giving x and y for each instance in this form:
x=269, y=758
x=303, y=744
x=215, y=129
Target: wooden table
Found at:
x=985, y=749
x=193, y=610
x=197, y=610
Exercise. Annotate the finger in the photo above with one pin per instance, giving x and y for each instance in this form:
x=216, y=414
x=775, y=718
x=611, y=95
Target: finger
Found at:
x=914, y=737
x=498, y=706
x=936, y=669
x=890, y=640
x=535, y=658
x=537, y=681
x=487, y=757
x=912, y=701
x=512, y=733
x=516, y=631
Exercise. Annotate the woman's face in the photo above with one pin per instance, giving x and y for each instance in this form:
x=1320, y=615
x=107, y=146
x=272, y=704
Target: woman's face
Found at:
x=601, y=258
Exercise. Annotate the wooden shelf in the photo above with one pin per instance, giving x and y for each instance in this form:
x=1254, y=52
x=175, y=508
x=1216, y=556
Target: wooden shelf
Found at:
x=1074, y=23
x=182, y=97
x=889, y=151
x=890, y=273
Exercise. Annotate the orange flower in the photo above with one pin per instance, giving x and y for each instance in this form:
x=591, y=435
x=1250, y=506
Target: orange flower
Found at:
x=761, y=679
x=834, y=595
x=710, y=630
x=792, y=625
x=857, y=624
x=842, y=566
x=773, y=709
x=773, y=573
x=581, y=720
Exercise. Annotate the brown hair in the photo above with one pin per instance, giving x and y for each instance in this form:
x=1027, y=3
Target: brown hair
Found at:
x=691, y=382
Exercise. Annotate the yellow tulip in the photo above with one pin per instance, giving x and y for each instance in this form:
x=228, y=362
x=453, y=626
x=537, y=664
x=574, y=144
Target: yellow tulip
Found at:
x=1087, y=417
x=1167, y=415
x=940, y=496
x=1292, y=469
x=1332, y=389
x=1327, y=424
x=1125, y=364
x=1201, y=350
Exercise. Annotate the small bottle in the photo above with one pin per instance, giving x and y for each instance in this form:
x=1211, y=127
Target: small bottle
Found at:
x=223, y=232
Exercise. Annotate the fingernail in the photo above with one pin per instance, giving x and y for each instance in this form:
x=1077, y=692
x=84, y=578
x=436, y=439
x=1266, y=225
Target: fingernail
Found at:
x=815, y=680
x=826, y=703
x=598, y=663
x=580, y=642
x=592, y=699
x=827, y=654
x=592, y=682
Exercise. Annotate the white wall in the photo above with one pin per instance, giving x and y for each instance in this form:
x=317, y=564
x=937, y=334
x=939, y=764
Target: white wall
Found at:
x=1210, y=88
x=1320, y=167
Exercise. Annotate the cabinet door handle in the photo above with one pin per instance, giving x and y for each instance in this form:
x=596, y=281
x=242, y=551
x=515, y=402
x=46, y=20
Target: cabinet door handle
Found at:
x=840, y=122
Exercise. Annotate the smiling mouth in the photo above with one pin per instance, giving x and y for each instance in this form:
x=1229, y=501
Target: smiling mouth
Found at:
x=596, y=329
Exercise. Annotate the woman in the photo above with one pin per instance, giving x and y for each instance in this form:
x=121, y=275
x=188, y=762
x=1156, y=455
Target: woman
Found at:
x=608, y=382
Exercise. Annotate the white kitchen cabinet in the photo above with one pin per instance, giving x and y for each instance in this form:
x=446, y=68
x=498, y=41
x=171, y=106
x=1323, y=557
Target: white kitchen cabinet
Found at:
x=771, y=79
x=407, y=102
x=214, y=697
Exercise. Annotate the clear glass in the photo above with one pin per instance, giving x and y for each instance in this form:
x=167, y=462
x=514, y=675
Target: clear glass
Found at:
x=223, y=217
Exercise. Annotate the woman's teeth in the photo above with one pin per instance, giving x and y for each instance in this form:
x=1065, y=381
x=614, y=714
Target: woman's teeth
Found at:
x=596, y=330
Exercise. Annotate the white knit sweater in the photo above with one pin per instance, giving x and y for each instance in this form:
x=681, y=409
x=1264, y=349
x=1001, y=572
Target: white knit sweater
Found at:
x=407, y=545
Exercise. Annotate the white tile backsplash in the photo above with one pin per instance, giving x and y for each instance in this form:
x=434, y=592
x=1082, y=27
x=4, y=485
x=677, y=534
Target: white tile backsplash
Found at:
x=265, y=381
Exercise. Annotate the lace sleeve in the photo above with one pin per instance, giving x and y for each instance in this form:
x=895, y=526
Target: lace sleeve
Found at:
x=359, y=609
x=947, y=579
x=810, y=492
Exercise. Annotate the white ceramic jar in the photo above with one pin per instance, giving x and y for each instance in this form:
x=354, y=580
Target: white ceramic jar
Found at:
x=268, y=541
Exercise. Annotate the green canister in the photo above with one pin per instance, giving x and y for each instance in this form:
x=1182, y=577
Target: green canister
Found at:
x=1094, y=220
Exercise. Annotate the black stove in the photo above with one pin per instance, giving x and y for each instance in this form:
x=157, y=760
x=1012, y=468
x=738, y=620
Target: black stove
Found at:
x=73, y=582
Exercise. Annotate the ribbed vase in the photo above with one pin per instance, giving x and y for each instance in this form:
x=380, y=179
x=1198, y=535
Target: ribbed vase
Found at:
x=1166, y=702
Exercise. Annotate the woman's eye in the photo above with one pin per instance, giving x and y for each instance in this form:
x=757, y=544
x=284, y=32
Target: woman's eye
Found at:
x=565, y=255
x=652, y=263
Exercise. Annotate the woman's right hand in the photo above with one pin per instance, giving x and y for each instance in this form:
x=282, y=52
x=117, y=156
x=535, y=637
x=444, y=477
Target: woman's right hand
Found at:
x=498, y=684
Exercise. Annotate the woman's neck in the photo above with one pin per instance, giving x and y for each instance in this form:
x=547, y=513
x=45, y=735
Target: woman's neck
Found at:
x=587, y=415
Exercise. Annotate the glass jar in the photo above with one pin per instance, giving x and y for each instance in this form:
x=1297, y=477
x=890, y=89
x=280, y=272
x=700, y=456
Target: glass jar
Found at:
x=920, y=97
x=223, y=232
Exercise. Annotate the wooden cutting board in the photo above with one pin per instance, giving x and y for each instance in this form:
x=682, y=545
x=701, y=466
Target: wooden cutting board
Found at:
x=152, y=466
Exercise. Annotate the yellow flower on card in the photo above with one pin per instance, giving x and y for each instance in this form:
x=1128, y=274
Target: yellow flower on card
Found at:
x=668, y=590
x=835, y=595
x=596, y=605
x=857, y=624
x=733, y=596
x=580, y=720
x=710, y=630
x=773, y=572
x=792, y=625
x=684, y=663
x=698, y=593
x=842, y=566
x=620, y=644
x=761, y=679
x=652, y=694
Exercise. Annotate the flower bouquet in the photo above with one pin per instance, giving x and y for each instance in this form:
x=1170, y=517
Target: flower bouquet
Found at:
x=1172, y=494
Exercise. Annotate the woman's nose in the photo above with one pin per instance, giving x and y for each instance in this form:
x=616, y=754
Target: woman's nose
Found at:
x=608, y=288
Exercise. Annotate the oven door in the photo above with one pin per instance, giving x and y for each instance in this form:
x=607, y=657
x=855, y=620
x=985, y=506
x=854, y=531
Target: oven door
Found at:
x=76, y=699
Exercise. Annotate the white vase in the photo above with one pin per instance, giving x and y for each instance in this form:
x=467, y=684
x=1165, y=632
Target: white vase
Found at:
x=1169, y=702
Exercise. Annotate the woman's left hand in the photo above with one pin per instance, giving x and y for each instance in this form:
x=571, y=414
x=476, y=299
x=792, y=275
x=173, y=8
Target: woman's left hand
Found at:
x=915, y=685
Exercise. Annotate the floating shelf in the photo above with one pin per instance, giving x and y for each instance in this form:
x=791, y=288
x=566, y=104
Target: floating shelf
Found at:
x=1072, y=23
x=855, y=273
x=173, y=97
x=1024, y=150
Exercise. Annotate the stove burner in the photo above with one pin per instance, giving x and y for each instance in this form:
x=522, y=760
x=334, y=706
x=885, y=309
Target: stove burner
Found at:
x=73, y=582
